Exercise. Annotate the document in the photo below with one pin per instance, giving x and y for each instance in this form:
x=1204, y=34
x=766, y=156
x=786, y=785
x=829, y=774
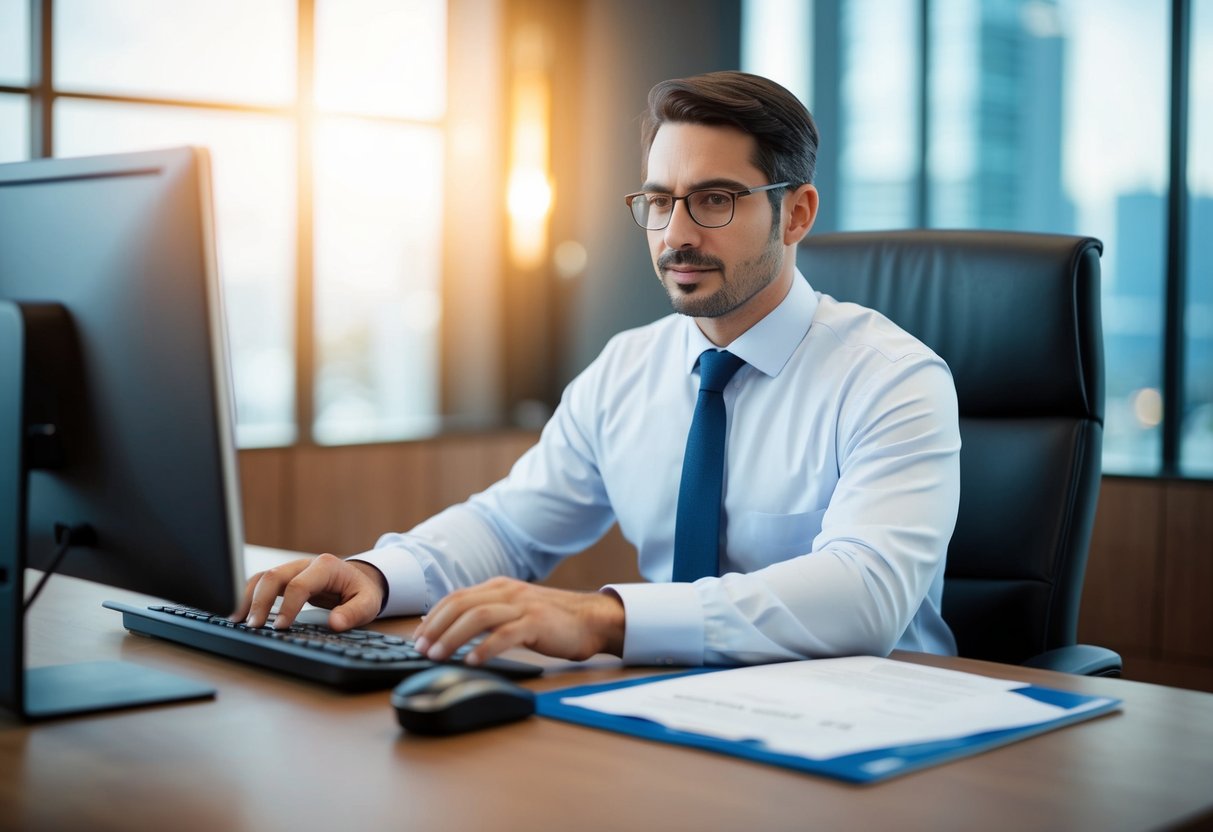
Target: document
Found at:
x=827, y=708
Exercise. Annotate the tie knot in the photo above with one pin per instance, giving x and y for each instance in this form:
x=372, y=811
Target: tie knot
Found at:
x=716, y=367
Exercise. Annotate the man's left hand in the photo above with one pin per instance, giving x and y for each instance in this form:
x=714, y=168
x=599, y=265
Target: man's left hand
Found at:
x=512, y=613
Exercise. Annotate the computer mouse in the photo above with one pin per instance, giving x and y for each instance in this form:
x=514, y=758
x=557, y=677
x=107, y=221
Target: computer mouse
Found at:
x=451, y=699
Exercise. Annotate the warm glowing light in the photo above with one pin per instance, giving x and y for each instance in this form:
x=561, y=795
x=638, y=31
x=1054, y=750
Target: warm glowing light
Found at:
x=530, y=190
x=1147, y=407
x=530, y=196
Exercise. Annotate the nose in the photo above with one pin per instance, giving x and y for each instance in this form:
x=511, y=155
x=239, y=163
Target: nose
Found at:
x=682, y=232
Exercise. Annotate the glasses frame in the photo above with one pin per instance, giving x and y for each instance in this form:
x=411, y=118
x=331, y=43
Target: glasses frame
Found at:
x=732, y=208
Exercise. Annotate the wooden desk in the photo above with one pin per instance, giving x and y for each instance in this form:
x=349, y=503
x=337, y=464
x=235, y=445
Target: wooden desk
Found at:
x=274, y=753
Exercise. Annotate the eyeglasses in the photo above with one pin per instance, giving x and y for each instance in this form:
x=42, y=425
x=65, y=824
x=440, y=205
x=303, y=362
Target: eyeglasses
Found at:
x=710, y=207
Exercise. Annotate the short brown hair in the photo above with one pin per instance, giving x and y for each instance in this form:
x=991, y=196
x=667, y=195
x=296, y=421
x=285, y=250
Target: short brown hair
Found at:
x=781, y=126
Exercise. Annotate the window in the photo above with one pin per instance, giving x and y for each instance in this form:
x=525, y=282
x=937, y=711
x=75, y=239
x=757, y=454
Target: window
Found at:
x=1038, y=115
x=253, y=160
x=378, y=251
x=878, y=134
x=14, y=42
x=14, y=133
x=1024, y=97
x=772, y=43
x=1196, y=445
x=14, y=70
x=379, y=207
x=227, y=51
x=1117, y=191
x=381, y=58
x=325, y=124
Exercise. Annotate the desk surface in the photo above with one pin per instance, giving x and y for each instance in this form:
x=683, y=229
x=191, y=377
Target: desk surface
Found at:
x=271, y=752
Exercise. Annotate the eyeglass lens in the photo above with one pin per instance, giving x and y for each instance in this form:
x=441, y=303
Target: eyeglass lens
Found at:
x=710, y=209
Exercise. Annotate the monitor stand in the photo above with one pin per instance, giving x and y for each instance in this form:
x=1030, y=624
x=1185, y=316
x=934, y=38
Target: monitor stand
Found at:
x=34, y=341
x=88, y=687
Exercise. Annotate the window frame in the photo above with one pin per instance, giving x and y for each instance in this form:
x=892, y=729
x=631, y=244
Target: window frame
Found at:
x=42, y=93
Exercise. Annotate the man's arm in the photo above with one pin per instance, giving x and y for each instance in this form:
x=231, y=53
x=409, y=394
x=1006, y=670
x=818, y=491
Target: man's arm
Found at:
x=551, y=505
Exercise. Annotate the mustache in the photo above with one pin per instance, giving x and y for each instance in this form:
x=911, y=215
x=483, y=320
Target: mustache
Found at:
x=688, y=257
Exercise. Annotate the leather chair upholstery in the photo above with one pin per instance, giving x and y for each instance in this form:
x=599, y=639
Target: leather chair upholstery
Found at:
x=1017, y=319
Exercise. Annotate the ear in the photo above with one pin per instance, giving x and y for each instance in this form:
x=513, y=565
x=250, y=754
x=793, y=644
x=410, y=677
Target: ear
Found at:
x=802, y=211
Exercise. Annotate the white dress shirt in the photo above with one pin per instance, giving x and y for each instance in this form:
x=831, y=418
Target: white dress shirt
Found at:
x=841, y=487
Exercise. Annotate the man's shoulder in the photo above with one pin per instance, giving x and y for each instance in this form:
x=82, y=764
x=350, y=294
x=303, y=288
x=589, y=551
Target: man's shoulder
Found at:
x=851, y=326
x=641, y=340
x=627, y=356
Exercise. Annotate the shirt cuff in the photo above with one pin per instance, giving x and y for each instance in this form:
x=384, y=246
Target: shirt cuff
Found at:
x=663, y=624
x=406, y=593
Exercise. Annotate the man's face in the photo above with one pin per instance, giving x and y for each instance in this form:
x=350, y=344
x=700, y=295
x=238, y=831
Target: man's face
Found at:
x=711, y=272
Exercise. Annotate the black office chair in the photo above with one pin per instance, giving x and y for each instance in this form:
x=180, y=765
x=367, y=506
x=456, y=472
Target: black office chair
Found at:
x=1017, y=318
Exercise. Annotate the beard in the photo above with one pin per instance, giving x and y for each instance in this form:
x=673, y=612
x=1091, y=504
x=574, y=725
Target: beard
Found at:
x=737, y=283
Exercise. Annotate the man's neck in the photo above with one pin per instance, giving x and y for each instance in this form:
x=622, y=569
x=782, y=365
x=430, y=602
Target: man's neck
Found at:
x=726, y=329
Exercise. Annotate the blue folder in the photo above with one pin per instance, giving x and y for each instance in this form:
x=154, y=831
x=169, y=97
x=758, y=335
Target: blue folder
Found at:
x=864, y=767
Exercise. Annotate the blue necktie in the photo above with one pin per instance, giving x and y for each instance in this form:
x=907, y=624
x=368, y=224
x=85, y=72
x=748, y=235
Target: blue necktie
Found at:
x=697, y=526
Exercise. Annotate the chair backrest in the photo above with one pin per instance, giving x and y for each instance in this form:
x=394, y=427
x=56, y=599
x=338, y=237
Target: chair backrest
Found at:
x=1017, y=319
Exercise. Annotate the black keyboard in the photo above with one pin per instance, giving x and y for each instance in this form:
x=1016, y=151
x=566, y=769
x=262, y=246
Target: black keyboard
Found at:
x=355, y=659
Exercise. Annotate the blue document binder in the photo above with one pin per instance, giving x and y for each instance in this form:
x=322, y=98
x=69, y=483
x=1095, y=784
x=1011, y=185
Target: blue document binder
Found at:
x=864, y=767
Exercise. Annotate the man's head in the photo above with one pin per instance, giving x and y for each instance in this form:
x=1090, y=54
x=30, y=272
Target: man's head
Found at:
x=784, y=132
x=727, y=133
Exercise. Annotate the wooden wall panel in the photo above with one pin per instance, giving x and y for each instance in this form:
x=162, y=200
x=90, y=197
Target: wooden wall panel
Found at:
x=1120, y=593
x=1187, y=582
x=342, y=498
x=265, y=486
x=464, y=466
x=346, y=497
x=1181, y=674
x=504, y=452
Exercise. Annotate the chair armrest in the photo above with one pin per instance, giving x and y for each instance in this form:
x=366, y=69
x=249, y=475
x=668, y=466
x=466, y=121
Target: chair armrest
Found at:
x=1079, y=659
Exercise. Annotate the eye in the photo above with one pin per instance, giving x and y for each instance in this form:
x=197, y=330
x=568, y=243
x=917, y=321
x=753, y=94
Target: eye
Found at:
x=715, y=199
x=659, y=202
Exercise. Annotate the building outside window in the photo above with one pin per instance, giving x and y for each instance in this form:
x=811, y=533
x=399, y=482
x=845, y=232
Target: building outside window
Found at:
x=1046, y=116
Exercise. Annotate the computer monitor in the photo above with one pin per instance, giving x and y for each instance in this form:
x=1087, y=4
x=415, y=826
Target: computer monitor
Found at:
x=116, y=410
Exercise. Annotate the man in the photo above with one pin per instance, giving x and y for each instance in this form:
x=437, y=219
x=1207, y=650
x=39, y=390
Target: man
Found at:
x=823, y=529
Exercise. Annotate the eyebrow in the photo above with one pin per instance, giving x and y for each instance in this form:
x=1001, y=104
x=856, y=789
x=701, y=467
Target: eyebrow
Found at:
x=718, y=182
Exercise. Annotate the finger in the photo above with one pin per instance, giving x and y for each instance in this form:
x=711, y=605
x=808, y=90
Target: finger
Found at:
x=365, y=600
x=321, y=575
x=512, y=634
x=471, y=623
x=441, y=615
x=439, y=619
x=361, y=608
x=269, y=587
x=448, y=609
x=246, y=599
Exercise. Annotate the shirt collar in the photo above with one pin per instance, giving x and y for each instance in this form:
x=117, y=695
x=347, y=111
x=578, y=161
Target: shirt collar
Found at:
x=768, y=344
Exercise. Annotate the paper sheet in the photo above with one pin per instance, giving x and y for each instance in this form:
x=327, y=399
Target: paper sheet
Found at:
x=829, y=707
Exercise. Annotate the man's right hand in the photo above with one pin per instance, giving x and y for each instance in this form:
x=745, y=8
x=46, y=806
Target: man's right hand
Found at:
x=353, y=590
